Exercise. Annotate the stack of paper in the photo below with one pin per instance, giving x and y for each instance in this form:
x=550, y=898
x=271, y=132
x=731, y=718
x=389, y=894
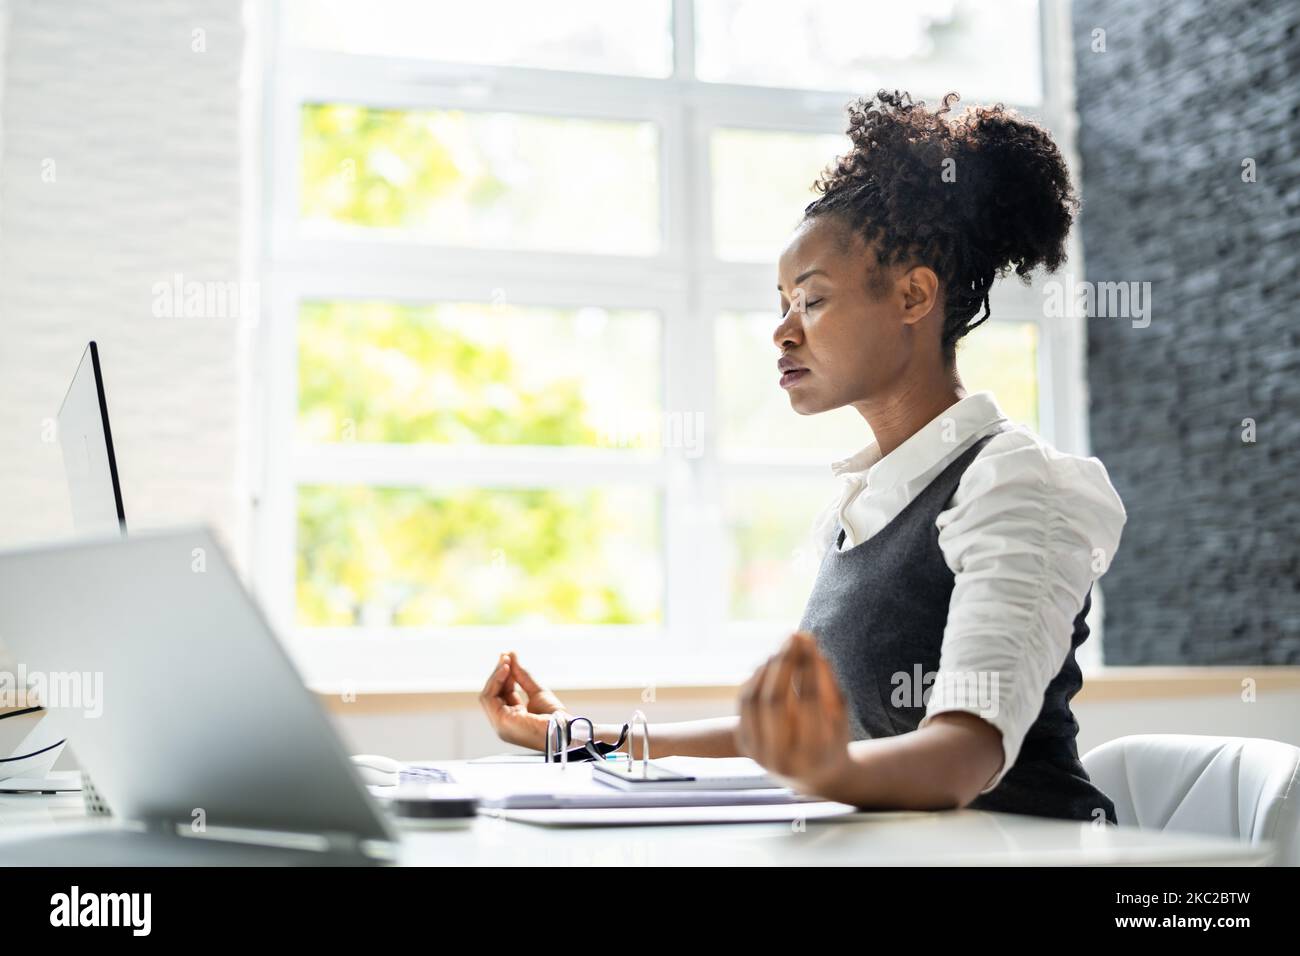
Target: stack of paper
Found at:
x=730, y=790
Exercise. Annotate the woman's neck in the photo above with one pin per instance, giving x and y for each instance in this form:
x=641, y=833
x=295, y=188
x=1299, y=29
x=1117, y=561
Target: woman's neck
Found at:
x=905, y=410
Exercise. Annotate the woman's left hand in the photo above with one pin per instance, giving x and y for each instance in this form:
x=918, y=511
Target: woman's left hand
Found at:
x=792, y=718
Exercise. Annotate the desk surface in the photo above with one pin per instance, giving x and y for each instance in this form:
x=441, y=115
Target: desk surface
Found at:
x=952, y=838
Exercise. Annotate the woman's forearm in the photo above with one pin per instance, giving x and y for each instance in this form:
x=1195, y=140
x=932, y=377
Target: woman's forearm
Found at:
x=711, y=737
x=945, y=765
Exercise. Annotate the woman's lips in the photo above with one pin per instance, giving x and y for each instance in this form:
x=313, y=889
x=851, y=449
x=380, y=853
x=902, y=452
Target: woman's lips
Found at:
x=792, y=376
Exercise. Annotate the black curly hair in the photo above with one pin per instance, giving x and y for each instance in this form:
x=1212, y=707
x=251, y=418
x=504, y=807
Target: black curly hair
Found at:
x=1011, y=204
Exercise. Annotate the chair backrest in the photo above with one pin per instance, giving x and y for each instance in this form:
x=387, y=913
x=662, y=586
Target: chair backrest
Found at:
x=1240, y=787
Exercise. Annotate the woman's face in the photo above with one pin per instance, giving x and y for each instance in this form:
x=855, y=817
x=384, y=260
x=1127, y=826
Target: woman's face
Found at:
x=848, y=325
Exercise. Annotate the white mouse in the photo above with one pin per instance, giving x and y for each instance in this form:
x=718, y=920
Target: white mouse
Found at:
x=378, y=771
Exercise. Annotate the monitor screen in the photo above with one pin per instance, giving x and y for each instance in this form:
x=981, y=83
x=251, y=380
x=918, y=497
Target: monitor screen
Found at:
x=87, y=445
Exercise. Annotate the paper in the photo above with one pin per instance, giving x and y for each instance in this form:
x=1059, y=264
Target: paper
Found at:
x=542, y=786
x=716, y=773
x=57, y=781
x=668, y=816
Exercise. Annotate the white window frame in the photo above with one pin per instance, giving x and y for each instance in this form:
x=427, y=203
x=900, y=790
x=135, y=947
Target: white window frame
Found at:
x=685, y=283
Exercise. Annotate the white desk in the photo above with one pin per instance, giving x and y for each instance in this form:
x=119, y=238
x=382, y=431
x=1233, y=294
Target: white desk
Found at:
x=954, y=838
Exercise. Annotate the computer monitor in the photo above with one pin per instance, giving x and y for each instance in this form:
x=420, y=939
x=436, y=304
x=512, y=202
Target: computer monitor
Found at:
x=88, y=459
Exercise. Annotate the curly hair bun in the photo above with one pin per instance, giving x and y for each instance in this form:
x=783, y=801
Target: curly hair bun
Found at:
x=974, y=195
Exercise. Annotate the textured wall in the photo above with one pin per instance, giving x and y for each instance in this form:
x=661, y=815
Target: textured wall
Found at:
x=1209, y=568
x=121, y=168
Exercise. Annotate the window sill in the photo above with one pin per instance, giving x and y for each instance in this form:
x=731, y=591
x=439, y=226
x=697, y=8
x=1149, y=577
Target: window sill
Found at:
x=1163, y=682
x=1108, y=684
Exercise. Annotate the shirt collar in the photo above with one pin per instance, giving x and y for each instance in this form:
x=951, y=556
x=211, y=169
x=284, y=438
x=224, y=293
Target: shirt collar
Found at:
x=950, y=429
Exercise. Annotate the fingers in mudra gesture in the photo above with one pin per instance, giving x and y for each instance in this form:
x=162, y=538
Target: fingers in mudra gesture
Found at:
x=792, y=716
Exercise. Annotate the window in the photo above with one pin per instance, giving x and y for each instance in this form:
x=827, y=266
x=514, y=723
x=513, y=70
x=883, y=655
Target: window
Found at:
x=983, y=50
x=518, y=375
x=481, y=179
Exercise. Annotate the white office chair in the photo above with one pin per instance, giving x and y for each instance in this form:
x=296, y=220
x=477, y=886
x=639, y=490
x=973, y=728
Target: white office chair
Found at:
x=1240, y=787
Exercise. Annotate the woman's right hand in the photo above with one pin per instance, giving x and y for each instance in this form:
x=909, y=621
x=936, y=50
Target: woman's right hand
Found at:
x=517, y=707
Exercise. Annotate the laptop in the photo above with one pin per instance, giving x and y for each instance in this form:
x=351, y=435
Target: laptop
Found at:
x=186, y=711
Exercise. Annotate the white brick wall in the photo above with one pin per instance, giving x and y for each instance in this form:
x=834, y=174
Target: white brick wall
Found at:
x=144, y=137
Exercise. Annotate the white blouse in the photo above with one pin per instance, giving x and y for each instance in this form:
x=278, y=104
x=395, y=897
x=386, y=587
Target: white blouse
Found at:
x=1027, y=532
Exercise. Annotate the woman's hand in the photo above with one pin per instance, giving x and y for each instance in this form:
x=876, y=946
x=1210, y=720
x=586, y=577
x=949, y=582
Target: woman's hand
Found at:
x=517, y=706
x=792, y=719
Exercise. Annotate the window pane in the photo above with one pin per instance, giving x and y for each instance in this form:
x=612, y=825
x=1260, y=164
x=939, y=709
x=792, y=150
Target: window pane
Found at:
x=771, y=557
x=1002, y=357
x=584, y=35
x=415, y=557
x=756, y=205
x=501, y=180
x=755, y=410
x=475, y=374
x=983, y=49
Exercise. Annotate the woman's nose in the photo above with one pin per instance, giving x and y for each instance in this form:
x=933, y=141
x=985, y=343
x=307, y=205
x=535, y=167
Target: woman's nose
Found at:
x=790, y=332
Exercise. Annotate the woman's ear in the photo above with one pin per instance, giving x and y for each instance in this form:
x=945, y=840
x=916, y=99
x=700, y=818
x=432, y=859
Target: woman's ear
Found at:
x=920, y=293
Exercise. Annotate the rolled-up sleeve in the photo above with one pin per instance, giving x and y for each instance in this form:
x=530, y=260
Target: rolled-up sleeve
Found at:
x=1028, y=531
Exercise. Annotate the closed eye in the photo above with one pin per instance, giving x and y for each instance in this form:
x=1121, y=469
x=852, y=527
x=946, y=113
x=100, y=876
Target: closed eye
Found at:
x=785, y=310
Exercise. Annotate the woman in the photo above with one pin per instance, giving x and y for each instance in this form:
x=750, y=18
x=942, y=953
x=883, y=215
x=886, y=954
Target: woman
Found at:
x=935, y=661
